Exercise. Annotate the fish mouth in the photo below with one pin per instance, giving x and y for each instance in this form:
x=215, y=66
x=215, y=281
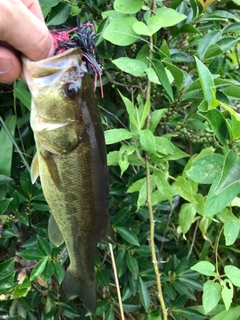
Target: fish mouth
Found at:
x=52, y=65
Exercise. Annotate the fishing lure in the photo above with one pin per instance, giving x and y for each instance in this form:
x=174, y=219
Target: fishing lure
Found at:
x=80, y=37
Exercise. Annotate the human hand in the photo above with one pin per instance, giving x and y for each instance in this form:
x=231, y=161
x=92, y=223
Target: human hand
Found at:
x=22, y=31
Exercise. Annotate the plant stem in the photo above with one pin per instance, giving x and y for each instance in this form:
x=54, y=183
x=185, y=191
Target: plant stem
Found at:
x=117, y=283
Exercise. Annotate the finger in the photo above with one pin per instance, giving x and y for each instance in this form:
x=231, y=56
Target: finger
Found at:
x=23, y=30
x=10, y=66
x=34, y=7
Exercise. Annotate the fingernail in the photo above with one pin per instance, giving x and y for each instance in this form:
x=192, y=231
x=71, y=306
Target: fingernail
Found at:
x=5, y=65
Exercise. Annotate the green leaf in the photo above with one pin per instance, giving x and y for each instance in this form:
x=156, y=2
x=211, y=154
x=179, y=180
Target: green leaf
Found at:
x=218, y=124
x=44, y=246
x=128, y=235
x=215, y=203
x=38, y=269
x=68, y=310
x=155, y=118
x=227, y=43
x=23, y=95
x=205, y=267
x=132, y=111
x=184, y=189
x=164, y=17
x=144, y=294
x=48, y=271
x=147, y=141
x=177, y=73
x=59, y=14
x=141, y=28
x=227, y=293
x=123, y=154
x=121, y=263
x=186, y=215
x=206, y=80
x=4, y=203
x=164, y=146
x=132, y=265
x=58, y=271
x=233, y=274
x=133, y=66
x=6, y=268
x=137, y=185
x=210, y=38
x=126, y=6
x=211, y=295
x=120, y=31
x=231, y=314
x=4, y=179
x=230, y=173
x=24, y=218
x=30, y=254
x=231, y=231
x=164, y=189
x=144, y=112
x=206, y=169
x=109, y=314
x=162, y=76
x=117, y=135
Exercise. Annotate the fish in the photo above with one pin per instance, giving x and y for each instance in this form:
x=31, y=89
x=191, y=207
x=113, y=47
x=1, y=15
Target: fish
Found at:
x=71, y=162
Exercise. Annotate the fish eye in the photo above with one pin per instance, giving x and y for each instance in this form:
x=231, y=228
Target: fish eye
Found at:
x=70, y=90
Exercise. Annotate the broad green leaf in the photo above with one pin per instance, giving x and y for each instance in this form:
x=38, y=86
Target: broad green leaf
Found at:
x=117, y=135
x=4, y=203
x=6, y=268
x=164, y=146
x=211, y=295
x=147, y=141
x=235, y=127
x=30, y=254
x=133, y=66
x=132, y=111
x=38, y=269
x=230, y=173
x=126, y=6
x=123, y=154
x=112, y=158
x=206, y=169
x=24, y=96
x=205, y=267
x=120, y=31
x=24, y=218
x=44, y=246
x=144, y=294
x=182, y=187
x=218, y=124
x=59, y=14
x=152, y=76
x=227, y=293
x=7, y=146
x=231, y=314
x=4, y=179
x=233, y=274
x=164, y=17
x=132, y=265
x=162, y=76
x=109, y=314
x=206, y=80
x=144, y=112
x=232, y=91
x=186, y=215
x=232, y=27
x=231, y=231
x=48, y=271
x=128, y=235
x=164, y=189
x=227, y=43
x=177, y=73
x=210, y=38
x=155, y=118
x=137, y=185
x=141, y=28
x=68, y=310
x=121, y=263
x=58, y=271
x=215, y=203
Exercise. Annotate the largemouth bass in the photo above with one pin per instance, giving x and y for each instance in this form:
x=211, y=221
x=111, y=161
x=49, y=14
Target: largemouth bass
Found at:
x=71, y=162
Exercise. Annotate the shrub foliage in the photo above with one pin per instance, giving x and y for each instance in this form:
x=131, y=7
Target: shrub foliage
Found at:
x=172, y=126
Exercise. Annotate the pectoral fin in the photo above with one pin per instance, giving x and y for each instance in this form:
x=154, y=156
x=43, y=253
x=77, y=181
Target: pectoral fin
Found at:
x=52, y=169
x=34, y=169
x=54, y=232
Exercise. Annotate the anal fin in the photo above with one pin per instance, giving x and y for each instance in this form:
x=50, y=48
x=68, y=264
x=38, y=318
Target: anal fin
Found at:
x=54, y=232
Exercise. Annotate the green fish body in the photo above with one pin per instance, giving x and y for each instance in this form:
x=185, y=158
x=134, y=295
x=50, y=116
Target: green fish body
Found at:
x=71, y=162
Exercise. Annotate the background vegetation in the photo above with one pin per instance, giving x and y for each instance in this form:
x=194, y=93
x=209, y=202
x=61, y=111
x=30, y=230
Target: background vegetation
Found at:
x=172, y=127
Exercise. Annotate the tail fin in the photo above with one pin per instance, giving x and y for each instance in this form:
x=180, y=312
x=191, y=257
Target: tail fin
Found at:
x=75, y=286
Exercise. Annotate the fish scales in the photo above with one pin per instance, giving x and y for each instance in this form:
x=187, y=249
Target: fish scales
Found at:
x=71, y=161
